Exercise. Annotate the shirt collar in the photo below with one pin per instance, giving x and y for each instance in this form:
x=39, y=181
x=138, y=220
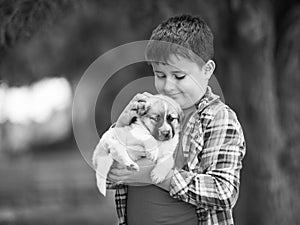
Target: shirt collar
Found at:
x=207, y=99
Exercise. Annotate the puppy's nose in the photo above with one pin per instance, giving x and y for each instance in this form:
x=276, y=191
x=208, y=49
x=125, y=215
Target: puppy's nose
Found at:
x=165, y=133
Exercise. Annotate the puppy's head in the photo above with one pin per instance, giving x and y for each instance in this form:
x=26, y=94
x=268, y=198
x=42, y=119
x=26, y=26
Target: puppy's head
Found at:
x=162, y=117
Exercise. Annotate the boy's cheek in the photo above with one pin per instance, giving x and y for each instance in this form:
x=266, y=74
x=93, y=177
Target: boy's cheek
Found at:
x=159, y=85
x=159, y=88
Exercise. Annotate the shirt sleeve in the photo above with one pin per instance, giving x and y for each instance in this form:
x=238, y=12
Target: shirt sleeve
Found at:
x=217, y=185
x=111, y=185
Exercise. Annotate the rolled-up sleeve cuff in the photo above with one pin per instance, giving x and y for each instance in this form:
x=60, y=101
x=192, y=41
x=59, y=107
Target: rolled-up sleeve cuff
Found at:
x=179, y=183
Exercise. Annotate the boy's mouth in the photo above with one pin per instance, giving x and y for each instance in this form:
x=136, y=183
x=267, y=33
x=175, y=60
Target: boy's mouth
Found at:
x=172, y=94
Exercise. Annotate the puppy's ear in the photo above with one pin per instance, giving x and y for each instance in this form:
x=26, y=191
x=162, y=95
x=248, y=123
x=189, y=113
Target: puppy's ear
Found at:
x=180, y=112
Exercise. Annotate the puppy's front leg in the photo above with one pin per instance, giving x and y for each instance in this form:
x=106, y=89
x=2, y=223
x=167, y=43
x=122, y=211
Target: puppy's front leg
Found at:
x=151, y=148
x=149, y=143
x=120, y=154
x=162, y=168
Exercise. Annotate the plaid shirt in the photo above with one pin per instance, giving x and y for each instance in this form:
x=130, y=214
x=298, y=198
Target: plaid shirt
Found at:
x=213, y=147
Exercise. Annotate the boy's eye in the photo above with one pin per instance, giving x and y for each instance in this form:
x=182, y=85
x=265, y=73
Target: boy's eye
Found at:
x=179, y=77
x=160, y=75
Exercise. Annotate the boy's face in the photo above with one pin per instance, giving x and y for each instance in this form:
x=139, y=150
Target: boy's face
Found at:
x=181, y=79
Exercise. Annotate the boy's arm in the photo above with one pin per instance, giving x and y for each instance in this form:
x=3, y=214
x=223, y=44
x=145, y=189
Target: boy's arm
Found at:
x=224, y=148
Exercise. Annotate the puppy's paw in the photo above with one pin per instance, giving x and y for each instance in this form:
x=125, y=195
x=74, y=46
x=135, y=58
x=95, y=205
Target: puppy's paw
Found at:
x=152, y=154
x=141, y=107
x=158, y=175
x=133, y=167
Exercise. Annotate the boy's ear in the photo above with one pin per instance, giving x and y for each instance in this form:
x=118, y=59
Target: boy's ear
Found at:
x=209, y=68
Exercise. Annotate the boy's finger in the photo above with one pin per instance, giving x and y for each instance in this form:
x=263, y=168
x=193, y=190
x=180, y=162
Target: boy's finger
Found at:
x=120, y=172
x=145, y=162
x=115, y=178
x=117, y=165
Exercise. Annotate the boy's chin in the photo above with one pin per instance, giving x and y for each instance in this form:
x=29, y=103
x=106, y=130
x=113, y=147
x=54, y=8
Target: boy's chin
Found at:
x=186, y=105
x=177, y=98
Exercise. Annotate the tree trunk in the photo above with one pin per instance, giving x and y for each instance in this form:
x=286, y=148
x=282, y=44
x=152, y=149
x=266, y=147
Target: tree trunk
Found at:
x=251, y=66
x=288, y=67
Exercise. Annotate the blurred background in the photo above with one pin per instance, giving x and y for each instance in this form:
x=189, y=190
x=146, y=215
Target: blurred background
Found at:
x=45, y=47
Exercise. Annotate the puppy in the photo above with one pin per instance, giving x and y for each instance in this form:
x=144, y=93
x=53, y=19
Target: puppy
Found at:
x=153, y=134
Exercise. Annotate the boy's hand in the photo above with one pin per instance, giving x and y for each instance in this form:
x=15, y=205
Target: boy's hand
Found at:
x=130, y=111
x=120, y=174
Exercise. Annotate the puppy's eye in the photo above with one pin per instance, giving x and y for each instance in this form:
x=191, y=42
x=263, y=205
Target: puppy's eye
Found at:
x=155, y=118
x=171, y=118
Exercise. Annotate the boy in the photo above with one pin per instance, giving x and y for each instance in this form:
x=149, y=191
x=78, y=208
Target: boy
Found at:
x=204, y=184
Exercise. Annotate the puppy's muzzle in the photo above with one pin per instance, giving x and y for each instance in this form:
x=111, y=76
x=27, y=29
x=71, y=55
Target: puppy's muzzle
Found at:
x=165, y=135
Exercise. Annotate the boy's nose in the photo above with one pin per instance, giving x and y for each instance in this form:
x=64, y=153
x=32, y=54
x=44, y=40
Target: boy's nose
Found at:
x=169, y=85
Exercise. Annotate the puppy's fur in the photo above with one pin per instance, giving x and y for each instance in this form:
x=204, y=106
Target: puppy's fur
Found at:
x=154, y=134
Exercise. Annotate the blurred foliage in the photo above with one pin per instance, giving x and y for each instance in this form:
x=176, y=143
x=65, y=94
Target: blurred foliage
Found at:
x=20, y=19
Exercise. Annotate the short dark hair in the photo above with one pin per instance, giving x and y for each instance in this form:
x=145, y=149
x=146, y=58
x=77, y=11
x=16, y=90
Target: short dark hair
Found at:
x=181, y=35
